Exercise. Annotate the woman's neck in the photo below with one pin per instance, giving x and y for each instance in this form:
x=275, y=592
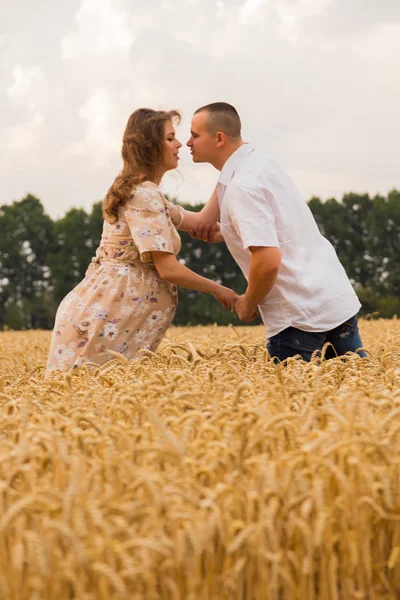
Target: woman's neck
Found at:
x=158, y=176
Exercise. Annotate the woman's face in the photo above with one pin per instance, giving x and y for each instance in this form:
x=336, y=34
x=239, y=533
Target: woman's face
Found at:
x=172, y=145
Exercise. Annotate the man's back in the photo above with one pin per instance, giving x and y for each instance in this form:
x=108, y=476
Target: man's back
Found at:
x=261, y=206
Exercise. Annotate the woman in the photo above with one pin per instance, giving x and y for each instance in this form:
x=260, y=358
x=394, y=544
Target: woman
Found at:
x=128, y=297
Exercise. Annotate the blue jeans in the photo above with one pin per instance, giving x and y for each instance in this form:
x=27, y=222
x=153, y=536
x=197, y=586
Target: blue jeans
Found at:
x=292, y=341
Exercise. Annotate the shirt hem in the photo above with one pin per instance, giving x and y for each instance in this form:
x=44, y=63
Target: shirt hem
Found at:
x=312, y=329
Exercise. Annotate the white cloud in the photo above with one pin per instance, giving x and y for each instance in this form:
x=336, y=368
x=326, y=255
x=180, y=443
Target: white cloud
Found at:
x=314, y=81
x=100, y=28
x=291, y=16
x=24, y=79
x=220, y=9
x=99, y=139
x=248, y=9
x=352, y=19
x=23, y=138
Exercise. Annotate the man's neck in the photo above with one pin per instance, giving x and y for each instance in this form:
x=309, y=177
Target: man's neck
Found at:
x=223, y=157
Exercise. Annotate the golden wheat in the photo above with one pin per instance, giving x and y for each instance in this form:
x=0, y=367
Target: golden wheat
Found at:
x=201, y=472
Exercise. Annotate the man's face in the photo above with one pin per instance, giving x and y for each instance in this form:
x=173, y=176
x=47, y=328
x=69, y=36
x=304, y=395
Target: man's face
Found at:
x=201, y=143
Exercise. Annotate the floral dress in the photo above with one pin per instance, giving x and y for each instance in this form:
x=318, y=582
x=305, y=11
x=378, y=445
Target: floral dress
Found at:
x=122, y=304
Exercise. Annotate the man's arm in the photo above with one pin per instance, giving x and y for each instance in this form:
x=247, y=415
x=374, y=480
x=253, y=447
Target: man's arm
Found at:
x=264, y=267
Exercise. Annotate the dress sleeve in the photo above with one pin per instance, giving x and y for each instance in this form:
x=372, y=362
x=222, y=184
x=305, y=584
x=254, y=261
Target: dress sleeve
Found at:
x=147, y=219
x=176, y=212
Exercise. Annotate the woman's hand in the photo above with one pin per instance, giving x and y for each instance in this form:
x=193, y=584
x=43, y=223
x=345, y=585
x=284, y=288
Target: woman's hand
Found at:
x=226, y=297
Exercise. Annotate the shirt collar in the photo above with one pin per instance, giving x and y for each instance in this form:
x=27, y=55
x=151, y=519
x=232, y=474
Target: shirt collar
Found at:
x=233, y=162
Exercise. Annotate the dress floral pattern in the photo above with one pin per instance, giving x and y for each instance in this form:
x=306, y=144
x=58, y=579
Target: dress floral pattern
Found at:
x=122, y=304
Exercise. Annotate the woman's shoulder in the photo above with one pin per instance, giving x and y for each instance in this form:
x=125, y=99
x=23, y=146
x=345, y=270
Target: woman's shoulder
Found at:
x=146, y=196
x=146, y=192
x=148, y=187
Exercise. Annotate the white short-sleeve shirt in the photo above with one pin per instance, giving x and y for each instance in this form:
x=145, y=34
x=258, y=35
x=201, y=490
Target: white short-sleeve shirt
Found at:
x=260, y=206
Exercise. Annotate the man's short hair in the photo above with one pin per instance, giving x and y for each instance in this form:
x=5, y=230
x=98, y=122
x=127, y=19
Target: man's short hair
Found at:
x=222, y=117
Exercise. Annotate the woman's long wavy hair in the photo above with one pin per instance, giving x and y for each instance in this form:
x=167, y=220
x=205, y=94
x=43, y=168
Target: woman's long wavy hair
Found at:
x=143, y=148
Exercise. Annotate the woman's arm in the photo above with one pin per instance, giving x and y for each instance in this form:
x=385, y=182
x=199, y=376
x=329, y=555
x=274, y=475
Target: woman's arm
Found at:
x=171, y=270
x=209, y=214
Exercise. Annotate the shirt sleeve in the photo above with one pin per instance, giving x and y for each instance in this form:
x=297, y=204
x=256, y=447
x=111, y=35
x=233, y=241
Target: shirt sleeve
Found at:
x=176, y=212
x=148, y=221
x=252, y=216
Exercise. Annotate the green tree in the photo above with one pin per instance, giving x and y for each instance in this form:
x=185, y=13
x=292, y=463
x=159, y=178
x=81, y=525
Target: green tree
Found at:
x=27, y=237
x=385, y=243
x=346, y=225
x=365, y=233
x=77, y=237
x=42, y=260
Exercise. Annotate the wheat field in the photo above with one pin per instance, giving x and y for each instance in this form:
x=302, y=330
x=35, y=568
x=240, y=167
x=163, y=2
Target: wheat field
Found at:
x=201, y=472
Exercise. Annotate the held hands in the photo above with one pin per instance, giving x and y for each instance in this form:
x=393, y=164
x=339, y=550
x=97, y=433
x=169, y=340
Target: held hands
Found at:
x=244, y=311
x=207, y=233
x=226, y=297
x=237, y=304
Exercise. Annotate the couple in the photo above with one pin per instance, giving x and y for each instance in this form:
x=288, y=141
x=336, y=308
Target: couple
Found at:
x=128, y=297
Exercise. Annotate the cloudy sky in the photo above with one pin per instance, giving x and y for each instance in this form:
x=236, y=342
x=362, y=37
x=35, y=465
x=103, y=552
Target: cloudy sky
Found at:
x=316, y=83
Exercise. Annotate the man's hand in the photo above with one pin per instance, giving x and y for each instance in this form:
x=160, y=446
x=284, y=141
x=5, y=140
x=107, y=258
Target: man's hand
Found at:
x=244, y=311
x=207, y=233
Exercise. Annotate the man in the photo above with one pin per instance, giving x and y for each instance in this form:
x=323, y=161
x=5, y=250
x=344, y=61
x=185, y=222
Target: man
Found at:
x=294, y=275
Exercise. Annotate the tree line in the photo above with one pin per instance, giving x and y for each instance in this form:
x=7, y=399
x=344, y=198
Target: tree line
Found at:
x=42, y=259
